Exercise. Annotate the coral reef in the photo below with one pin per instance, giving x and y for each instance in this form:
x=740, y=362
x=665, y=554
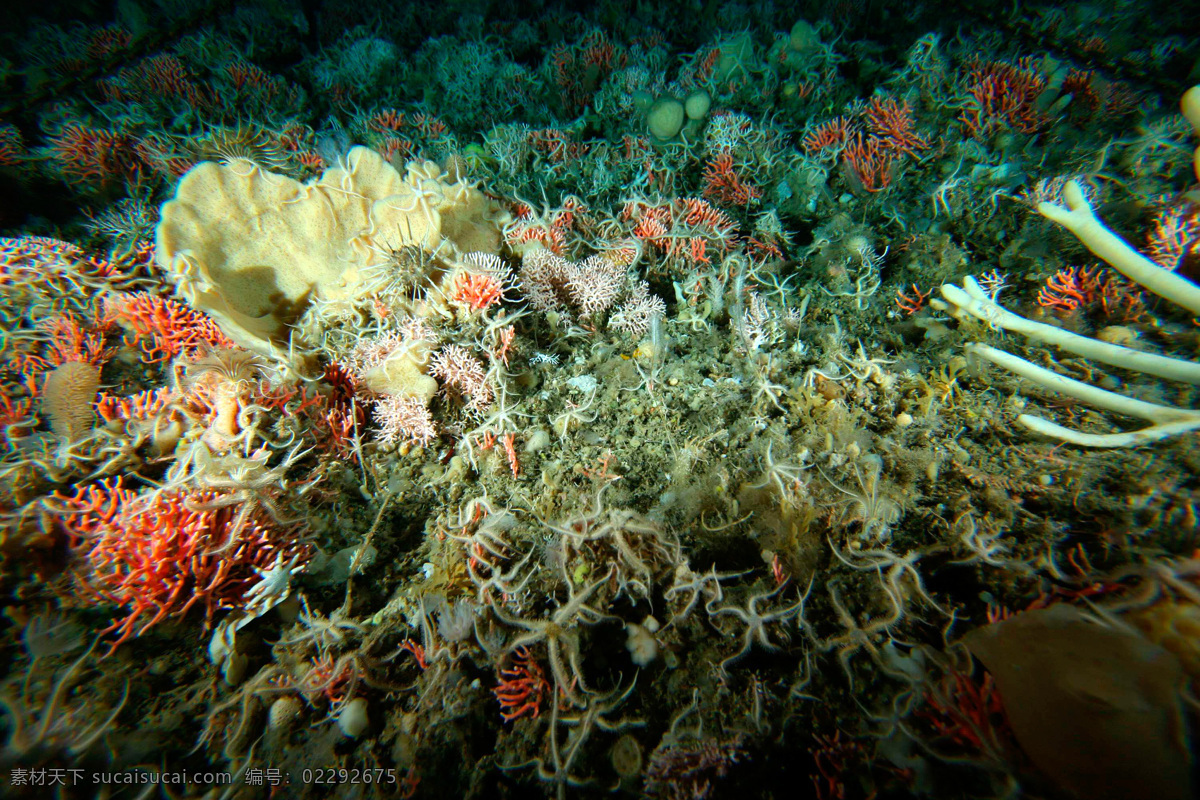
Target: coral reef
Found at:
x=433, y=400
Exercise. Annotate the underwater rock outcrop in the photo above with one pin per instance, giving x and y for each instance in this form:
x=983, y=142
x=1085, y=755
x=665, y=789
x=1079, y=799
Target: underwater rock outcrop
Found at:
x=1097, y=708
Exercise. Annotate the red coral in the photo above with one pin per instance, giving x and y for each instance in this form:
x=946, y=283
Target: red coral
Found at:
x=161, y=553
x=869, y=160
x=15, y=418
x=172, y=328
x=107, y=42
x=1174, y=243
x=522, y=687
x=834, y=133
x=387, y=120
x=579, y=69
x=477, y=291
x=155, y=78
x=96, y=156
x=142, y=406
x=723, y=183
x=893, y=123
x=969, y=714
x=1004, y=95
x=71, y=340
x=1070, y=288
x=687, y=230
x=12, y=147
x=911, y=305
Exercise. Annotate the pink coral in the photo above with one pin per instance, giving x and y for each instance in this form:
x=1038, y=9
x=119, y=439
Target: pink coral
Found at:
x=591, y=286
x=172, y=328
x=404, y=418
x=481, y=282
x=459, y=370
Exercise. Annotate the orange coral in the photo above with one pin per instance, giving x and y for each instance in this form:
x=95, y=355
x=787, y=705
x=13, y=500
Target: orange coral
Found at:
x=723, y=183
x=172, y=328
x=161, y=553
x=477, y=291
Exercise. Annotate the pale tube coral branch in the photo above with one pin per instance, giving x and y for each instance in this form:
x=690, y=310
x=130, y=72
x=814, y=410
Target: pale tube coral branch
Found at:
x=1168, y=420
x=1081, y=220
x=1190, y=106
x=972, y=299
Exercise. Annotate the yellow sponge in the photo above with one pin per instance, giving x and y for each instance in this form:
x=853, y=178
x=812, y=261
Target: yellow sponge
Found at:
x=252, y=248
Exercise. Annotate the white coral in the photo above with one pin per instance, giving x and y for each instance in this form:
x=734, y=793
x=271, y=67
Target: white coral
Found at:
x=635, y=314
x=1079, y=218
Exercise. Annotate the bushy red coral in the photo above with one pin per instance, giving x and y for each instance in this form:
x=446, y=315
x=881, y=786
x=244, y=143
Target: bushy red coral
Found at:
x=1004, y=96
x=171, y=328
x=158, y=554
x=724, y=184
x=100, y=158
